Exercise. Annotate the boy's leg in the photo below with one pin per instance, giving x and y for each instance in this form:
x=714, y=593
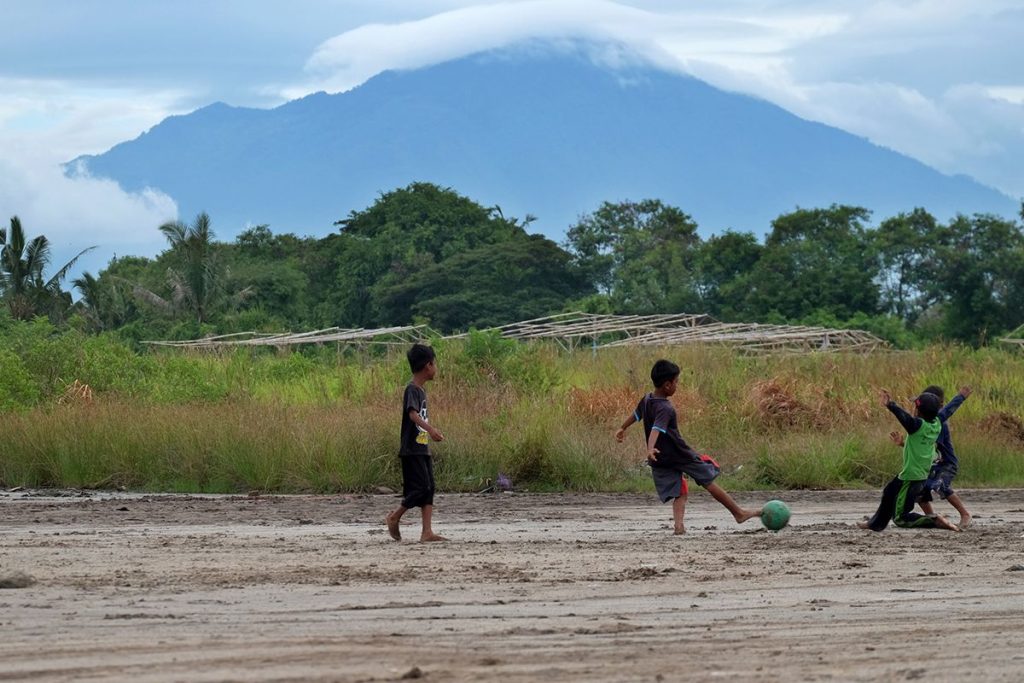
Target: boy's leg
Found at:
x=925, y=500
x=956, y=502
x=679, y=507
x=931, y=484
x=393, y=519
x=739, y=514
x=678, y=510
x=886, y=507
x=944, y=486
x=409, y=496
x=428, y=535
x=906, y=517
x=417, y=491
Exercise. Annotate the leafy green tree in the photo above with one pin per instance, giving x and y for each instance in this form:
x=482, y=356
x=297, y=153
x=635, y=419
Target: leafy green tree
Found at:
x=520, y=279
x=641, y=255
x=424, y=220
x=815, y=259
x=274, y=267
x=905, y=248
x=724, y=264
x=23, y=285
x=405, y=231
x=978, y=276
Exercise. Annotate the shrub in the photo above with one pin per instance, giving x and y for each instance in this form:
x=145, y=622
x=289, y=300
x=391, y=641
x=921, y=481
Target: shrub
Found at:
x=17, y=387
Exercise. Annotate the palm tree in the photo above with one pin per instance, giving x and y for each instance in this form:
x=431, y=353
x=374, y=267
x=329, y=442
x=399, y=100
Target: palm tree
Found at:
x=105, y=301
x=22, y=263
x=197, y=284
x=92, y=297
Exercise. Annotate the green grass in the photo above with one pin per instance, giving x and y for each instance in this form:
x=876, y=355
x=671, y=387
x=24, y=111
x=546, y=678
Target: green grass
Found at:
x=325, y=420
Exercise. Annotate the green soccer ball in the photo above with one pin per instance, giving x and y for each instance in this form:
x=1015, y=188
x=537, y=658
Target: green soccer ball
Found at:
x=775, y=515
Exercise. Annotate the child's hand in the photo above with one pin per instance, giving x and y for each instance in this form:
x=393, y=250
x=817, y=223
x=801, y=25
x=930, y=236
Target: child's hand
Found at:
x=965, y=391
x=620, y=435
x=652, y=454
x=896, y=437
x=886, y=398
x=435, y=434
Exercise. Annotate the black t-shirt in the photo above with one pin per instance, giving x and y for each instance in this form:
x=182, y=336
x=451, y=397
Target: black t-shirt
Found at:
x=658, y=413
x=415, y=441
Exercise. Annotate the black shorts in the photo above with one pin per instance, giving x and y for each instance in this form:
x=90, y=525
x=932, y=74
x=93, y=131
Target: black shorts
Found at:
x=417, y=480
x=670, y=481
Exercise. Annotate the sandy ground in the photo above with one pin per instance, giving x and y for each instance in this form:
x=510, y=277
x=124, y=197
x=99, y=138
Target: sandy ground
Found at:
x=532, y=587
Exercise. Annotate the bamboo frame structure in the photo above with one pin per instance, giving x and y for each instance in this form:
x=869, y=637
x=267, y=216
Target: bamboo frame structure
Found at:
x=1015, y=338
x=576, y=329
x=403, y=335
x=763, y=338
x=570, y=330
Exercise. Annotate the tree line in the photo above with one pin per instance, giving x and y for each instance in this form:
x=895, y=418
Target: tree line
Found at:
x=424, y=253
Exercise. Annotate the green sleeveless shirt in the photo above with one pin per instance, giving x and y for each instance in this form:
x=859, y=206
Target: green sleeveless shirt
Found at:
x=919, y=451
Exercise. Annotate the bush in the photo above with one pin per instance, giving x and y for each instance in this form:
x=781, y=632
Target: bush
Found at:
x=17, y=387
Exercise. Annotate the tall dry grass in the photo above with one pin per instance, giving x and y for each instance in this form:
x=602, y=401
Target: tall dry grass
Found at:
x=326, y=421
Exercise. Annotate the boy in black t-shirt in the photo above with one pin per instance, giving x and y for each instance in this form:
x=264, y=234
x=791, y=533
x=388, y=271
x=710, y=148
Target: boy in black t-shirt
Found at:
x=417, y=465
x=669, y=456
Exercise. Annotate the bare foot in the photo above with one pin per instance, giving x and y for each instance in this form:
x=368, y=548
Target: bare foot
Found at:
x=680, y=530
x=944, y=523
x=393, y=528
x=863, y=524
x=431, y=538
x=746, y=514
x=965, y=521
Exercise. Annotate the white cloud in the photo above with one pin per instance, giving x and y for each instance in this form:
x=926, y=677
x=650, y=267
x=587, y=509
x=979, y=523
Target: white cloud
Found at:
x=69, y=120
x=44, y=124
x=1011, y=94
x=666, y=39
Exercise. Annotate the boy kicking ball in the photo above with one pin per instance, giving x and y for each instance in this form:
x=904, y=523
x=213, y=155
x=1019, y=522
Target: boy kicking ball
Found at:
x=669, y=456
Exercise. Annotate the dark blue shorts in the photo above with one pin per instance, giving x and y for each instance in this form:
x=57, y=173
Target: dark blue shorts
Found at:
x=940, y=480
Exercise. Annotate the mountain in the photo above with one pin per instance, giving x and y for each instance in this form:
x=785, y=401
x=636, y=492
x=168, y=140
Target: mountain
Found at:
x=551, y=135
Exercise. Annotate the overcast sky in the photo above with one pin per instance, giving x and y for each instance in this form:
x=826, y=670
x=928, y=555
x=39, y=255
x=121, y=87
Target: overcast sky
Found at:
x=940, y=80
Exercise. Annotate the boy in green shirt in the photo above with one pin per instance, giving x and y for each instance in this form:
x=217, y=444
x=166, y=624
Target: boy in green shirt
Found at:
x=901, y=494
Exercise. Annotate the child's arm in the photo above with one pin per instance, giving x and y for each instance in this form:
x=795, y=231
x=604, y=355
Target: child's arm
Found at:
x=621, y=434
x=635, y=417
x=652, y=441
x=897, y=438
x=435, y=434
x=909, y=422
x=954, y=403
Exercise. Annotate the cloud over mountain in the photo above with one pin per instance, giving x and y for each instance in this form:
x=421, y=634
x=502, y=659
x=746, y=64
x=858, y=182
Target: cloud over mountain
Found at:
x=537, y=130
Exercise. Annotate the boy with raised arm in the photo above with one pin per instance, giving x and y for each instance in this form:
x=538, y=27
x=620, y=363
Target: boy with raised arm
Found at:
x=946, y=465
x=900, y=495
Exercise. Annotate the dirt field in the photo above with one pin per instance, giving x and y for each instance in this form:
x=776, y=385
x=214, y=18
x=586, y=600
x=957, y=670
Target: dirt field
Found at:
x=532, y=587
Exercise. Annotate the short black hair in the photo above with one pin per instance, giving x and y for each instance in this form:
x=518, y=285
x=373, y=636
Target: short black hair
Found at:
x=937, y=390
x=927, y=406
x=419, y=356
x=663, y=371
